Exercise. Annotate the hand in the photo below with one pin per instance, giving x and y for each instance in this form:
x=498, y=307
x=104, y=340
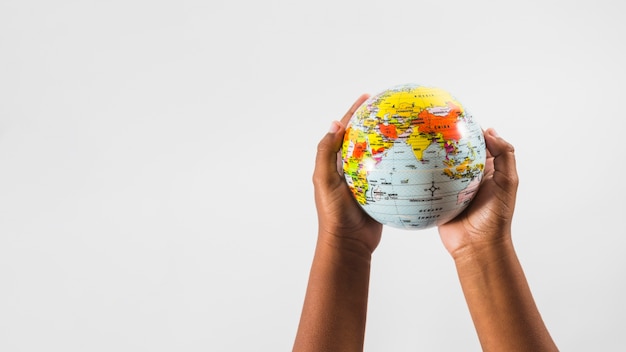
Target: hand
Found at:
x=487, y=220
x=499, y=299
x=340, y=216
x=335, y=306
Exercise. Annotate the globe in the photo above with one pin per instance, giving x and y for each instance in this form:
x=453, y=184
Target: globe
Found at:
x=413, y=156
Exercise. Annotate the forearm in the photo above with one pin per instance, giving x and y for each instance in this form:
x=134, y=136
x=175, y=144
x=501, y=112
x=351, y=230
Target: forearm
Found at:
x=335, y=306
x=500, y=301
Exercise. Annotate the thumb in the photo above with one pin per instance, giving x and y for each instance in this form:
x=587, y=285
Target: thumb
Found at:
x=326, y=160
x=503, y=153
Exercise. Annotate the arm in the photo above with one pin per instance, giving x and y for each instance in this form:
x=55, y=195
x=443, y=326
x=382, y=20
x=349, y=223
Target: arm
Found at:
x=500, y=301
x=335, y=305
x=496, y=291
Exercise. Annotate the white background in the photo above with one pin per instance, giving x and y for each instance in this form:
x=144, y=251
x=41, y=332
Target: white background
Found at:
x=156, y=161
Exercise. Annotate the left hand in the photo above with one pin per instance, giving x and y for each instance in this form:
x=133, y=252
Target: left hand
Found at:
x=340, y=216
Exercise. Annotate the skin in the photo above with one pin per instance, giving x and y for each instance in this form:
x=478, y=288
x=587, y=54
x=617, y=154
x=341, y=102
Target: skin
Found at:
x=479, y=241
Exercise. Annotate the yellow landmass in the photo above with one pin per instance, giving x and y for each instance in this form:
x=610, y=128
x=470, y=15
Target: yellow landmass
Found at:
x=418, y=143
x=411, y=102
x=466, y=169
x=355, y=155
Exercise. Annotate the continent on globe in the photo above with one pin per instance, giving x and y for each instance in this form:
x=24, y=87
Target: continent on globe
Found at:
x=413, y=156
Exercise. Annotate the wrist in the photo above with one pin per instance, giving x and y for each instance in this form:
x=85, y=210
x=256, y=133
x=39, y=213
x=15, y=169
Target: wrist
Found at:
x=483, y=255
x=345, y=244
x=344, y=249
x=362, y=238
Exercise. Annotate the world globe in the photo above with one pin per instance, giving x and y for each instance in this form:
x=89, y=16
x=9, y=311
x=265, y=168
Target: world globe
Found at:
x=413, y=156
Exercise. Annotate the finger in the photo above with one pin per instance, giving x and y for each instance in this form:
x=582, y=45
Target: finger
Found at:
x=485, y=136
x=503, y=153
x=353, y=109
x=326, y=160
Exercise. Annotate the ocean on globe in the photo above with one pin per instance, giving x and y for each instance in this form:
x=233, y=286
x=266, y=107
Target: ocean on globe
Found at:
x=413, y=156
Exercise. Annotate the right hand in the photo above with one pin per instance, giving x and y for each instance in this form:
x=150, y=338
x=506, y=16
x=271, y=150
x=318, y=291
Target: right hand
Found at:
x=488, y=218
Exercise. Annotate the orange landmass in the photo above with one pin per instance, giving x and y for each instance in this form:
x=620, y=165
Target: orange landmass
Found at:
x=388, y=131
x=359, y=149
x=378, y=151
x=446, y=125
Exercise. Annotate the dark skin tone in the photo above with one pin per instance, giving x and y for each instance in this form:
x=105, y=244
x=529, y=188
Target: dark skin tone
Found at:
x=479, y=241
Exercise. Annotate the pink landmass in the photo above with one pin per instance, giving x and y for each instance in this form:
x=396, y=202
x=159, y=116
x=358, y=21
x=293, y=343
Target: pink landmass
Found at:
x=469, y=192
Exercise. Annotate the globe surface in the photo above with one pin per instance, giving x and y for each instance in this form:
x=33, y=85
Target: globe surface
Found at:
x=413, y=156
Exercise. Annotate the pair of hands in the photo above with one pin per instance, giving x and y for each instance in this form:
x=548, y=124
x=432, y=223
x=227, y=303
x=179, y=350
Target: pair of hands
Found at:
x=485, y=222
x=479, y=240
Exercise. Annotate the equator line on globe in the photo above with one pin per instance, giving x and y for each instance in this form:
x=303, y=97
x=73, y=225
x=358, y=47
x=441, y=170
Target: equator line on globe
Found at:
x=413, y=156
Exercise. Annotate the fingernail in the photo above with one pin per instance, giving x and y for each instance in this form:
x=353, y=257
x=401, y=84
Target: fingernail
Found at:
x=494, y=133
x=334, y=127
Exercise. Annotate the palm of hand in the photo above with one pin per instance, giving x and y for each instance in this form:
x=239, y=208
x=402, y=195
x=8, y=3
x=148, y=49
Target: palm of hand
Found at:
x=339, y=215
x=488, y=218
x=342, y=217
